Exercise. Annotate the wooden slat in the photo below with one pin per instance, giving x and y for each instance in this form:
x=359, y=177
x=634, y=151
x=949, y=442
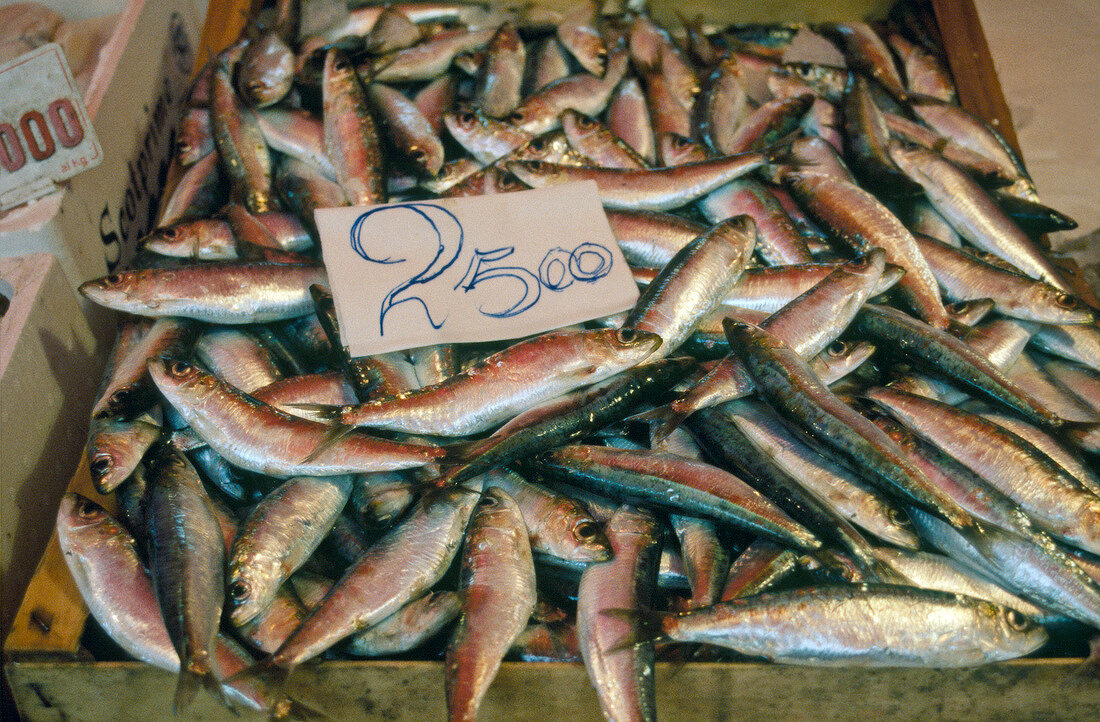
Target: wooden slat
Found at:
x=225, y=19
x=972, y=66
x=52, y=614
x=1031, y=689
x=543, y=692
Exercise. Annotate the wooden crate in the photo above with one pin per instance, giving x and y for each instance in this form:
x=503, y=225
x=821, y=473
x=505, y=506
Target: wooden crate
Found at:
x=53, y=678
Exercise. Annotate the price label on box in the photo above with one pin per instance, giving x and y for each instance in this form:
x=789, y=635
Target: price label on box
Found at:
x=45, y=133
x=484, y=268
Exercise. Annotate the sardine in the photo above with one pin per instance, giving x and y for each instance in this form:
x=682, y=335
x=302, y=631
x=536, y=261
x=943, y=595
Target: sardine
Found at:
x=623, y=678
x=255, y=436
x=498, y=598
x=228, y=293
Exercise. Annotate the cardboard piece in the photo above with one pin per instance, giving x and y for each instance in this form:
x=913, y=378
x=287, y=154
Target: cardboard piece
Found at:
x=484, y=268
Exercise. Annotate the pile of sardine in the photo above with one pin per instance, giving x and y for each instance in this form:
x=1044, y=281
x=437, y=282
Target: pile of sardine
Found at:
x=851, y=421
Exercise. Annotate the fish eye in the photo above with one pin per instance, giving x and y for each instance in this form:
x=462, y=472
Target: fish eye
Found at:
x=860, y=262
x=538, y=144
x=340, y=63
x=508, y=183
x=586, y=530
x=583, y=121
x=837, y=348
x=487, y=501
x=239, y=590
x=897, y=516
x=679, y=141
x=114, y=279
x=467, y=118
x=179, y=368
x=417, y=153
x=101, y=464
x=515, y=117
x=627, y=335
x=86, y=509
x=536, y=166
x=1064, y=300
x=1017, y=621
x=957, y=307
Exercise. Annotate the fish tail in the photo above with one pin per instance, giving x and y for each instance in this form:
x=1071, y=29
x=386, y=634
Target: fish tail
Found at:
x=272, y=678
x=187, y=686
x=647, y=626
x=190, y=679
x=780, y=153
x=1089, y=669
x=662, y=421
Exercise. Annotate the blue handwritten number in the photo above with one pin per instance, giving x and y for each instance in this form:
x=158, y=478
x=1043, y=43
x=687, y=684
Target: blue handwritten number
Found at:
x=584, y=255
x=449, y=246
x=554, y=269
x=588, y=263
x=528, y=282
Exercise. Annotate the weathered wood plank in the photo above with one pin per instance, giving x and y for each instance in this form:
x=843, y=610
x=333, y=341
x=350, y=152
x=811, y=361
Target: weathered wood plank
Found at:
x=972, y=66
x=225, y=19
x=534, y=692
x=52, y=614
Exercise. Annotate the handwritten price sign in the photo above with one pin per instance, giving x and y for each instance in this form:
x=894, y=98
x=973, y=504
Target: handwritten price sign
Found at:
x=485, y=268
x=45, y=133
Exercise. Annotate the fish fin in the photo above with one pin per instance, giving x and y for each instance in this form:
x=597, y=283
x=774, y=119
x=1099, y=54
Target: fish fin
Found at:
x=325, y=412
x=647, y=627
x=187, y=686
x=662, y=421
x=334, y=435
x=922, y=99
x=779, y=152
x=1077, y=430
x=1090, y=668
x=461, y=452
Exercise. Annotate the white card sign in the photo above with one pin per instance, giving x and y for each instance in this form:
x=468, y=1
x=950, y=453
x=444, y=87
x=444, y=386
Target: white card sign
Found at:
x=481, y=268
x=45, y=132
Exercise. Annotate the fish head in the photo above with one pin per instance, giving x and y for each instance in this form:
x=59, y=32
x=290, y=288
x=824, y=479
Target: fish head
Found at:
x=119, y=291
x=162, y=240
x=675, y=149
x=1019, y=633
x=844, y=356
x=741, y=334
x=463, y=123
x=114, y=450
x=591, y=543
x=250, y=585
x=496, y=510
x=872, y=263
x=337, y=68
x=1070, y=308
x=181, y=379
x=625, y=346
x=578, y=124
x=81, y=522
x=900, y=531
x=506, y=183
x=552, y=147
x=968, y=312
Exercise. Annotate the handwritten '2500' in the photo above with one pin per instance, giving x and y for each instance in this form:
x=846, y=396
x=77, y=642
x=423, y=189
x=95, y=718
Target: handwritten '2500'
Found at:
x=559, y=268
